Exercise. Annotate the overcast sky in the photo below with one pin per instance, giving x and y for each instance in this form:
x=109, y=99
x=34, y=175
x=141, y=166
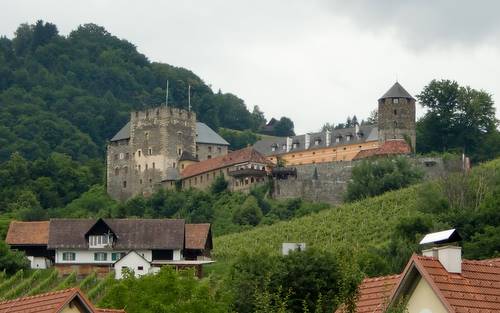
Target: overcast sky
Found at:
x=315, y=61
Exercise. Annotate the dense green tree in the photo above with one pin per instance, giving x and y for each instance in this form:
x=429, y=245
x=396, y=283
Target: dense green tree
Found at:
x=238, y=139
x=219, y=185
x=458, y=118
x=11, y=261
x=374, y=177
x=167, y=291
x=249, y=213
x=284, y=127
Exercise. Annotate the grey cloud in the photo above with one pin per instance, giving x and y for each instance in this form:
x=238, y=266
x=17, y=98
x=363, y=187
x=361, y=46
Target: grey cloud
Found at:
x=426, y=23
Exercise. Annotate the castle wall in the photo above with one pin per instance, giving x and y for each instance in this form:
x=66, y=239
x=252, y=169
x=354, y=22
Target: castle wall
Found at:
x=325, y=155
x=330, y=183
x=205, y=151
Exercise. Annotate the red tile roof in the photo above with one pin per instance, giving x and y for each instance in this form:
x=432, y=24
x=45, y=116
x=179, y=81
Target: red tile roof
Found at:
x=240, y=156
x=390, y=147
x=28, y=233
x=475, y=290
x=197, y=236
x=374, y=293
x=52, y=302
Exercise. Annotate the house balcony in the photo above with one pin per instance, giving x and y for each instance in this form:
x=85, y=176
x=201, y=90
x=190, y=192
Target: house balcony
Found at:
x=247, y=172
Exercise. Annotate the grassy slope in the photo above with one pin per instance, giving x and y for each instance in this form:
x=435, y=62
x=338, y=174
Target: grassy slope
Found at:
x=359, y=224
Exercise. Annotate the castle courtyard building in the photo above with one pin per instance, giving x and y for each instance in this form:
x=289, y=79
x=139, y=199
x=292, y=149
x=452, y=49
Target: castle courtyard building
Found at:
x=148, y=149
x=396, y=122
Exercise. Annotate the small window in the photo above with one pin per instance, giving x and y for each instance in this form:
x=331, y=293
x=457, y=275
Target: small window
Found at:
x=395, y=124
x=395, y=100
x=157, y=112
x=201, y=179
x=173, y=164
x=146, y=135
x=182, y=166
x=150, y=151
x=219, y=149
x=140, y=268
x=283, y=147
x=122, y=155
x=100, y=256
x=337, y=139
x=154, y=165
x=117, y=171
x=139, y=167
x=136, y=114
x=69, y=256
x=179, y=151
x=150, y=180
x=139, y=153
x=124, y=184
x=115, y=256
x=209, y=157
x=195, y=180
x=146, y=166
x=116, y=156
x=395, y=112
x=127, y=156
x=209, y=149
x=140, y=181
x=273, y=148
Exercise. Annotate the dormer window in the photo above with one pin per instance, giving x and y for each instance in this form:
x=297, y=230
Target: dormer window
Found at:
x=100, y=241
x=317, y=141
x=274, y=147
x=348, y=138
x=395, y=100
x=338, y=139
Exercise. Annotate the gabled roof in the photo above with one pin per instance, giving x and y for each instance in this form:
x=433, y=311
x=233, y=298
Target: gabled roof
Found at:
x=390, y=147
x=186, y=156
x=396, y=91
x=198, y=236
x=123, y=133
x=204, y=134
x=130, y=233
x=28, y=233
x=476, y=289
x=131, y=252
x=52, y=302
x=240, y=156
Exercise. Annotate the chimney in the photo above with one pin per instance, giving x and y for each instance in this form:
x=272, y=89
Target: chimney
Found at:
x=307, y=141
x=327, y=137
x=288, y=144
x=450, y=257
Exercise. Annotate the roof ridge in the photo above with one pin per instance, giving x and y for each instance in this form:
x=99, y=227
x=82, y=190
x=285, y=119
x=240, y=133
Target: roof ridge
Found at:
x=483, y=262
x=371, y=279
x=51, y=293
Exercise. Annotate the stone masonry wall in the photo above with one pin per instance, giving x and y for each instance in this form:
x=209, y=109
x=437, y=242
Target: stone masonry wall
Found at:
x=329, y=183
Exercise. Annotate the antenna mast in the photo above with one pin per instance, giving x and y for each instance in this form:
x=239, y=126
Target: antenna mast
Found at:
x=189, y=98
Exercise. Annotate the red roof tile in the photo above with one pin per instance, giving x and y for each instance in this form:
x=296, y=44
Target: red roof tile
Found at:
x=374, y=293
x=197, y=236
x=236, y=157
x=28, y=233
x=390, y=147
x=52, y=302
x=475, y=290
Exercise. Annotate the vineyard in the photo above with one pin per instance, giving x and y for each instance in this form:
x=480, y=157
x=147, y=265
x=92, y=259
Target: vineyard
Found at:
x=33, y=282
x=367, y=222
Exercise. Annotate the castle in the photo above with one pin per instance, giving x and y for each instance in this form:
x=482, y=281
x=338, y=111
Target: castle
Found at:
x=154, y=146
x=165, y=147
x=393, y=134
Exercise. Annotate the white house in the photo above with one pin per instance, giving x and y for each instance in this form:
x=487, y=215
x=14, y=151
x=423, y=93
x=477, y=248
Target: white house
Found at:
x=86, y=245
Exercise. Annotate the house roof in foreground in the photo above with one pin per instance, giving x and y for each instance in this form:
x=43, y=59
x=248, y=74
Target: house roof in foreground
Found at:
x=52, y=302
x=204, y=134
x=475, y=290
x=240, y=156
x=28, y=233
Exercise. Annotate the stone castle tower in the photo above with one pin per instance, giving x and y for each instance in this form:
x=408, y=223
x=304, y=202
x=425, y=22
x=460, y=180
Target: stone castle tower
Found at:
x=396, y=115
x=144, y=152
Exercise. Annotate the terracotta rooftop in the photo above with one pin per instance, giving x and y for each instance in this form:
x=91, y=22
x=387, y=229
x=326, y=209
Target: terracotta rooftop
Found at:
x=197, y=236
x=475, y=290
x=240, y=156
x=390, y=147
x=28, y=233
x=52, y=302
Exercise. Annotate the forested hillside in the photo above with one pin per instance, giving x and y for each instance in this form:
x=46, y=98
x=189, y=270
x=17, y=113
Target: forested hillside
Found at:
x=71, y=93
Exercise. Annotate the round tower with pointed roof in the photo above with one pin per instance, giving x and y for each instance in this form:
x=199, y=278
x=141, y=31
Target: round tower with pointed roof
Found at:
x=396, y=115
